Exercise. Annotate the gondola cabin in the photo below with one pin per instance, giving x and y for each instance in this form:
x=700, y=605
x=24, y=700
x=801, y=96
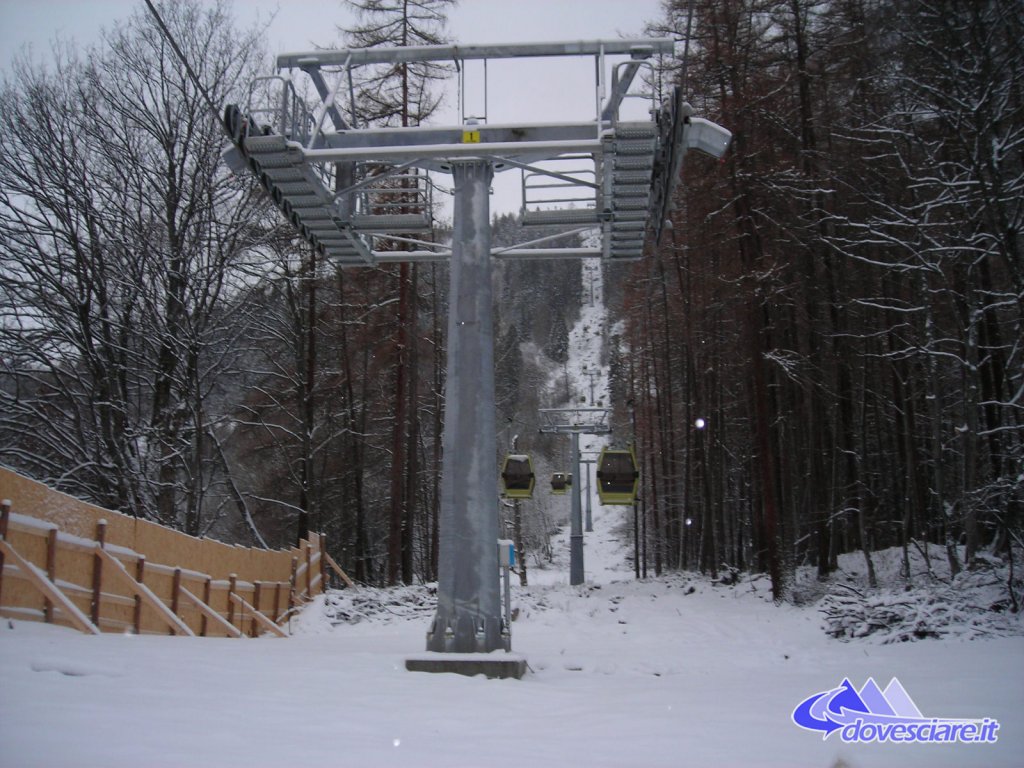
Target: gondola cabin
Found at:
x=561, y=482
x=618, y=477
x=517, y=478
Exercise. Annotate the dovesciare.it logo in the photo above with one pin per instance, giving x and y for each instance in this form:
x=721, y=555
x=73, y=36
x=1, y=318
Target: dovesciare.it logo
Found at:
x=872, y=715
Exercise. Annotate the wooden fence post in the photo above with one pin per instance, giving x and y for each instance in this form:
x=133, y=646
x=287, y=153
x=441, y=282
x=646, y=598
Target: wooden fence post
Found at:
x=140, y=576
x=323, y=563
x=51, y=572
x=292, y=586
x=175, y=596
x=232, y=582
x=256, y=606
x=5, y=515
x=309, y=567
x=97, y=572
x=207, y=592
x=277, y=601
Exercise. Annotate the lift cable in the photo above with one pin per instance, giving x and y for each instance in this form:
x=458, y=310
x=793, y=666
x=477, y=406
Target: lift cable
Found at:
x=214, y=110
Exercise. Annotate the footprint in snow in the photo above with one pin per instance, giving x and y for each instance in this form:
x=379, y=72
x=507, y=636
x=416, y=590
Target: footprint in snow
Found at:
x=72, y=668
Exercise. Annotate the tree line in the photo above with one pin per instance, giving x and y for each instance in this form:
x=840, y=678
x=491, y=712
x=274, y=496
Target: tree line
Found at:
x=841, y=303
x=169, y=348
x=172, y=350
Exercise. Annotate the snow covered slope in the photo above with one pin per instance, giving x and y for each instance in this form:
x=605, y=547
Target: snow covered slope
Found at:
x=605, y=550
x=669, y=672
x=675, y=671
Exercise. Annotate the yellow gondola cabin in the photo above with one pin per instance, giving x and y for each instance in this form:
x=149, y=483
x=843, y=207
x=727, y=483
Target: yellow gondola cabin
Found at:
x=517, y=478
x=618, y=477
x=561, y=482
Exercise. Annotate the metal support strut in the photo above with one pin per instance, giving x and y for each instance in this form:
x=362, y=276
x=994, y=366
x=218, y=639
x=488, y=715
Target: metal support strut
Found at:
x=576, y=519
x=468, y=617
x=576, y=422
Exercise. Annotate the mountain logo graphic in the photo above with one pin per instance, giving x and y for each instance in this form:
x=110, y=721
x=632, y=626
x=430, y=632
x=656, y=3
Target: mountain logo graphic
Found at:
x=873, y=715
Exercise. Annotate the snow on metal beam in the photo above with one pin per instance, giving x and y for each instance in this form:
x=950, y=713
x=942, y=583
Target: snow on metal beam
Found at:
x=641, y=48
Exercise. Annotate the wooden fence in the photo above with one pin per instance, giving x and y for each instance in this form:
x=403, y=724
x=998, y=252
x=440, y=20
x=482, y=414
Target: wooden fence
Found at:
x=68, y=562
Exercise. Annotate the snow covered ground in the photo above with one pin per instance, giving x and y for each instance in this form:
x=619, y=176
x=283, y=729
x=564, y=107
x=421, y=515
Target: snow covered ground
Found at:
x=672, y=671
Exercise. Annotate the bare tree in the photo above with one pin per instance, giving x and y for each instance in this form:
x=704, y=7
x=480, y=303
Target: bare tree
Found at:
x=401, y=94
x=121, y=238
x=863, y=282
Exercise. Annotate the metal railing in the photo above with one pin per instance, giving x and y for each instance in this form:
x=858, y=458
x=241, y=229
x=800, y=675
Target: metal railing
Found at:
x=545, y=195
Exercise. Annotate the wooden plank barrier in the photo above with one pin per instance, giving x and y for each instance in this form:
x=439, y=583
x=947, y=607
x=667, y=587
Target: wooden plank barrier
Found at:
x=209, y=613
x=49, y=589
x=68, y=562
x=337, y=569
x=262, y=620
x=176, y=625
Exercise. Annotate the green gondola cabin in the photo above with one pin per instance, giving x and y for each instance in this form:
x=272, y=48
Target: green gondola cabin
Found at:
x=561, y=482
x=618, y=477
x=517, y=478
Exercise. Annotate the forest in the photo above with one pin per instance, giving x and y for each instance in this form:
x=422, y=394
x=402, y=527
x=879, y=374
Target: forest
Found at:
x=841, y=304
x=823, y=354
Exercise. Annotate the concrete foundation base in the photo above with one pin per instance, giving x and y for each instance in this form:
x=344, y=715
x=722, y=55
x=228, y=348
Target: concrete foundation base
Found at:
x=494, y=665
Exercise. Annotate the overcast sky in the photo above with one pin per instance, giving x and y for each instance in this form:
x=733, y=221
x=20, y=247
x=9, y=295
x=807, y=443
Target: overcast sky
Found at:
x=523, y=91
x=300, y=23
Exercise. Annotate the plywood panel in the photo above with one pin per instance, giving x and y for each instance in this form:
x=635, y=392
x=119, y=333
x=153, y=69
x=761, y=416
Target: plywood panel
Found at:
x=163, y=549
x=36, y=500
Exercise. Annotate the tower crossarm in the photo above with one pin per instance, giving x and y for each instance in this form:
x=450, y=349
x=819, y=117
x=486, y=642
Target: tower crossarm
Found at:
x=356, y=193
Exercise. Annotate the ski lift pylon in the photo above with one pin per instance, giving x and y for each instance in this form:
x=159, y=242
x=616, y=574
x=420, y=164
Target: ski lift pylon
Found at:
x=618, y=477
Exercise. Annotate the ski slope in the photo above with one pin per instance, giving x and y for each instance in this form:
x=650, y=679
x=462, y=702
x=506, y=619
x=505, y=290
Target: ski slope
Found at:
x=671, y=671
x=604, y=549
